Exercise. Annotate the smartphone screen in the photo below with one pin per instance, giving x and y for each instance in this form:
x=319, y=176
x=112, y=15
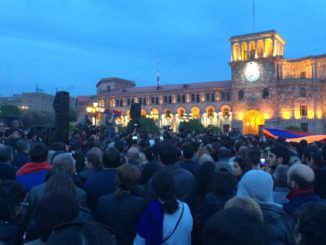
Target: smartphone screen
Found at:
x=262, y=161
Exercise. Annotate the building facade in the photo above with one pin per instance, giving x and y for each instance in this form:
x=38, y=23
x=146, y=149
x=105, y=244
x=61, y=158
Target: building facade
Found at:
x=265, y=89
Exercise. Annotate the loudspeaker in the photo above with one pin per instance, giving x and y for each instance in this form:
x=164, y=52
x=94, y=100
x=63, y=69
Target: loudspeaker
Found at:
x=61, y=108
x=135, y=112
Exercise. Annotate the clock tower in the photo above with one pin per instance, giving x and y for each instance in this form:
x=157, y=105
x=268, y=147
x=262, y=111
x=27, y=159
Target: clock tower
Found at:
x=254, y=70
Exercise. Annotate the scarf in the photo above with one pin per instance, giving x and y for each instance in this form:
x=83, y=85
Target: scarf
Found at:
x=150, y=226
x=300, y=191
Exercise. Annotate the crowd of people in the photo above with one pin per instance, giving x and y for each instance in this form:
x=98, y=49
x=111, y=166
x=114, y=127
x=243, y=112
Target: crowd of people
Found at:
x=139, y=188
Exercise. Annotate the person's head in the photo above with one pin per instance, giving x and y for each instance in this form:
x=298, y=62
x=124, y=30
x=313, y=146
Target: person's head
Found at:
x=58, y=181
x=252, y=157
x=311, y=225
x=133, y=153
x=188, y=151
x=111, y=158
x=257, y=185
x=58, y=146
x=89, y=233
x=300, y=176
x=223, y=152
x=278, y=155
x=12, y=195
x=164, y=188
x=22, y=146
x=64, y=163
x=38, y=152
x=234, y=226
x=280, y=176
x=167, y=153
x=240, y=167
x=6, y=154
x=222, y=183
x=205, y=158
x=94, y=158
x=314, y=160
x=119, y=145
x=128, y=176
x=245, y=203
x=55, y=208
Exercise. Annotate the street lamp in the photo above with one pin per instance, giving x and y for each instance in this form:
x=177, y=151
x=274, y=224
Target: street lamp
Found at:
x=95, y=110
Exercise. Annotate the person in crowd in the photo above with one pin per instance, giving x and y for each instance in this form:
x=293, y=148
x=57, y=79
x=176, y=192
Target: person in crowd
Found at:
x=223, y=155
x=94, y=164
x=91, y=233
x=320, y=176
x=278, y=155
x=281, y=189
x=22, y=155
x=103, y=182
x=166, y=220
x=258, y=185
x=133, y=156
x=239, y=167
x=12, y=196
x=121, y=210
x=55, y=208
x=301, y=182
x=188, y=163
x=252, y=157
x=185, y=182
x=222, y=187
x=205, y=157
x=246, y=203
x=7, y=171
x=33, y=173
x=120, y=146
x=311, y=225
x=236, y=226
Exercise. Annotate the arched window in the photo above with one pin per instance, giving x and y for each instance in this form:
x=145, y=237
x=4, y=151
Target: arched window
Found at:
x=236, y=52
x=260, y=48
x=241, y=95
x=222, y=96
x=244, y=51
x=302, y=92
x=252, y=49
x=268, y=47
x=265, y=93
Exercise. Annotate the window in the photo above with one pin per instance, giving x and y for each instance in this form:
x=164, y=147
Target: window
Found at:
x=156, y=101
x=213, y=97
x=144, y=101
x=165, y=99
x=152, y=100
x=303, y=110
x=179, y=98
x=227, y=96
x=121, y=102
x=128, y=101
x=265, y=93
x=117, y=103
x=197, y=98
x=170, y=99
x=140, y=101
x=241, y=95
x=302, y=92
x=193, y=97
x=183, y=98
x=208, y=97
x=304, y=127
x=222, y=96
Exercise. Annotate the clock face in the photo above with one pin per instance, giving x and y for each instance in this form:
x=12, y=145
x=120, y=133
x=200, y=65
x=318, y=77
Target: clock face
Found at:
x=252, y=72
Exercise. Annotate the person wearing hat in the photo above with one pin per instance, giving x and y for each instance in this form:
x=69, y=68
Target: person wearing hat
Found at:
x=223, y=188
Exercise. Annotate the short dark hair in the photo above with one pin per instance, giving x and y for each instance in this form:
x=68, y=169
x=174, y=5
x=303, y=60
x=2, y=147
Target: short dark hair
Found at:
x=128, y=176
x=243, y=164
x=312, y=224
x=234, y=226
x=282, y=151
x=119, y=145
x=38, y=152
x=188, y=151
x=223, y=184
x=253, y=157
x=82, y=234
x=111, y=158
x=5, y=153
x=167, y=153
x=95, y=157
x=21, y=145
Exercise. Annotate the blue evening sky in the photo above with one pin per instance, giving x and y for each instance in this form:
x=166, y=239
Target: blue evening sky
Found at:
x=72, y=44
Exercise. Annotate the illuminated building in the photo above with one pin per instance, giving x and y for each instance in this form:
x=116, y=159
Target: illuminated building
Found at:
x=265, y=89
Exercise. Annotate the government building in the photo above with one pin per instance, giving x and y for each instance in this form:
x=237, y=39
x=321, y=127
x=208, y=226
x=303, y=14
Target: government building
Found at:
x=265, y=90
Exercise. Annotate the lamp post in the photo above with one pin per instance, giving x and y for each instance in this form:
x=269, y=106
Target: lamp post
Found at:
x=95, y=110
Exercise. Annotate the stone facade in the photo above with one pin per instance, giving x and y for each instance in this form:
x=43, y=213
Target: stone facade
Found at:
x=285, y=92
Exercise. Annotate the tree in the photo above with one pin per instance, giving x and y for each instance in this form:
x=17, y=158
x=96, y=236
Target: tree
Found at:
x=9, y=111
x=194, y=125
x=149, y=125
x=37, y=119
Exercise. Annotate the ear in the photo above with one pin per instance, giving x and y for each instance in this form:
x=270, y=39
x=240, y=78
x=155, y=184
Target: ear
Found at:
x=293, y=184
x=279, y=160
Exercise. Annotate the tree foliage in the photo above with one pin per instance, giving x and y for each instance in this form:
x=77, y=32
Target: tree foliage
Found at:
x=37, y=119
x=149, y=125
x=193, y=125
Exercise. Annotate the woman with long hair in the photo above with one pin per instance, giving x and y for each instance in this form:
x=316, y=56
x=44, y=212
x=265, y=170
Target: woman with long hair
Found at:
x=166, y=220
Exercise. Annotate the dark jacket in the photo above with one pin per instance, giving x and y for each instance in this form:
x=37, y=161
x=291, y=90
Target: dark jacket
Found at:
x=279, y=226
x=99, y=184
x=20, y=159
x=121, y=214
x=320, y=183
x=7, y=172
x=192, y=166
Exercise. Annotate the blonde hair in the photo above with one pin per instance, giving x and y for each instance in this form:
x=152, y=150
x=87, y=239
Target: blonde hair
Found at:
x=247, y=204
